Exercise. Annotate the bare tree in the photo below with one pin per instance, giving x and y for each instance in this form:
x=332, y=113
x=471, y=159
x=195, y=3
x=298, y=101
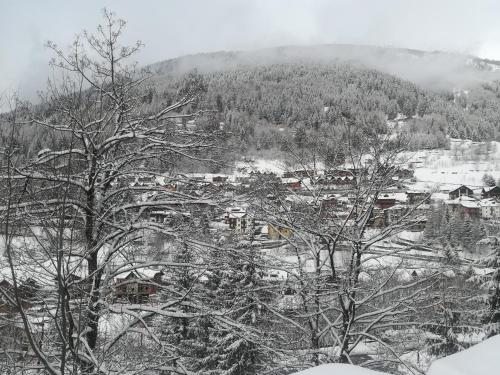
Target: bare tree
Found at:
x=343, y=297
x=83, y=191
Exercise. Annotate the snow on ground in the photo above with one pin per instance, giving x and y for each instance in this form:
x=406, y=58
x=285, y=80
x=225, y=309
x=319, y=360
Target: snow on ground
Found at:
x=465, y=162
x=410, y=235
x=338, y=369
x=480, y=359
x=274, y=165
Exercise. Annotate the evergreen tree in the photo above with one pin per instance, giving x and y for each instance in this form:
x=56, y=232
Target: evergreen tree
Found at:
x=488, y=180
x=490, y=299
x=236, y=288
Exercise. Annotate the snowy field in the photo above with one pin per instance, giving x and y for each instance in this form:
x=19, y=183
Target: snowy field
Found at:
x=480, y=359
x=465, y=163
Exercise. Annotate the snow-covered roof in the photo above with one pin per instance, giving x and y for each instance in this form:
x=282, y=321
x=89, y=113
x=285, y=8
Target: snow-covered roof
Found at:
x=488, y=188
x=289, y=180
x=470, y=204
x=480, y=359
x=465, y=201
x=237, y=215
x=400, y=197
x=488, y=203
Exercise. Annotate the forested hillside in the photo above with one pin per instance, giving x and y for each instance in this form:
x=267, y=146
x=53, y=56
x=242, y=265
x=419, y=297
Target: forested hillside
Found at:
x=267, y=99
x=262, y=105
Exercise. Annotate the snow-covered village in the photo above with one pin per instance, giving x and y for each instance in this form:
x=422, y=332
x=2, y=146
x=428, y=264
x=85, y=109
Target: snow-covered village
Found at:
x=275, y=199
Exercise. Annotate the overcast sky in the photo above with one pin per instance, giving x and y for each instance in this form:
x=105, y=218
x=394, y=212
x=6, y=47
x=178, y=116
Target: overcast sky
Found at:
x=171, y=28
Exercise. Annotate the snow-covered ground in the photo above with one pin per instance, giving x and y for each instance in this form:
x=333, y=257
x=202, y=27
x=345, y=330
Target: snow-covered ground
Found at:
x=465, y=163
x=338, y=369
x=480, y=359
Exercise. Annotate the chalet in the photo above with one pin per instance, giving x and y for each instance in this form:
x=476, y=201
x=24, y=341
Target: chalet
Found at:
x=137, y=286
x=471, y=209
x=339, y=173
x=219, y=179
x=159, y=216
x=385, y=201
x=278, y=232
x=301, y=173
x=418, y=197
x=462, y=191
x=464, y=206
x=291, y=183
x=403, y=173
x=329, y=203
x=259, y=174
x=337, y=181
x=490, y=209
x=395, y=213
x=170, y=186
x=237, y=219
x=490, y=192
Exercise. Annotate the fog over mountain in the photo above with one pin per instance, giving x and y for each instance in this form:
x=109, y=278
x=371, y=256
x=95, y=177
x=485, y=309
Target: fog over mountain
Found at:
x=435, y=70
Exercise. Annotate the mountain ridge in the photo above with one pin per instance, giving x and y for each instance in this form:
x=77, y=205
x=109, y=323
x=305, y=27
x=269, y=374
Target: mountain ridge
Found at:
x=431, y=69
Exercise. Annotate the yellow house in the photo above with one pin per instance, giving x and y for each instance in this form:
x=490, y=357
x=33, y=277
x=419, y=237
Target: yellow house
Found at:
x=276, y=232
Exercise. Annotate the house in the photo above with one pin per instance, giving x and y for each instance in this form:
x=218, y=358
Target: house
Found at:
x=339, y=173
x=159, y=216
x=170, y=186
x=291, y=183
x=219, y=179
x=418, y=197
x=461, y=192
x=490, y=209
x=385, y=201
x=278, y=232
x=395, y=213
x=301, y=173
x=237, y=219
x=338, y=181
x=403, y=173
x=490, y=192
x=138, y=285
x=465, y=206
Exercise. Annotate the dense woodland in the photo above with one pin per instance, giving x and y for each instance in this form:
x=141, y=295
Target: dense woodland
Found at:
x=256, y=101
x=264, y=107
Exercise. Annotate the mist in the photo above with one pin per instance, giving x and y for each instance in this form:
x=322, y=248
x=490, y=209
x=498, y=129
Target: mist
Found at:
x=176, y=28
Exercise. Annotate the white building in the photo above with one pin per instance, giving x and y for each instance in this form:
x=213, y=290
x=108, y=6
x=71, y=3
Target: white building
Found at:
x=490, y=209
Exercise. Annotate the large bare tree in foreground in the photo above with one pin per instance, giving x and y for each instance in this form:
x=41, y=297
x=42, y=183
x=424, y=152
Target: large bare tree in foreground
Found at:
x=94, y=219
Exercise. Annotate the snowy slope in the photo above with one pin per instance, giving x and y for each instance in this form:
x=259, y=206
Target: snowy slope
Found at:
x=480, y=359
x=465, y=162
x=339, y=369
